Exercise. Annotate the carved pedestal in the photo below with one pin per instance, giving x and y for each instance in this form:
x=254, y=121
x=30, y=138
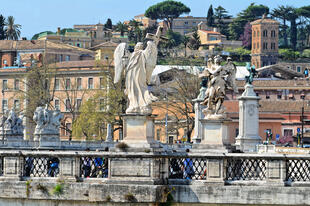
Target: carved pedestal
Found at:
x=14, y=140
x=139, y=131
x=214, y=135
x=48, y=140
x=248, y=137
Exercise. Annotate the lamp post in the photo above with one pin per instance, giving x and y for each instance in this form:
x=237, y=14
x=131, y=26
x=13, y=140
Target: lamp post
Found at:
x=109, y=137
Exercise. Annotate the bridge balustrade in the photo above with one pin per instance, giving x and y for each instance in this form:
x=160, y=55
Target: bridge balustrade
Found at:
x=222, y=168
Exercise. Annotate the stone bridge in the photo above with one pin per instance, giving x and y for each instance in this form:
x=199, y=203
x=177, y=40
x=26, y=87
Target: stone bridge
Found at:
x=119, y=177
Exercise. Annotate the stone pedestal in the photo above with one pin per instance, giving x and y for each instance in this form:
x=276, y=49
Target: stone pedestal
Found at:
x=214, y=135
x=14, y=140
x=198, y=126
x=248, y=137
x=139, y=131
x=48, y=140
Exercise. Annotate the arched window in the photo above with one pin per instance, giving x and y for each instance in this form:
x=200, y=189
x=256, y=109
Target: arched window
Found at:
x=265, y=33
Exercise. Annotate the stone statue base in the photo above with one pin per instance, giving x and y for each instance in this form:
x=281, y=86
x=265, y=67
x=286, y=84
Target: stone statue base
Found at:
x=248, y=137
x=13, y=140
x=214, y=135
x=139, y=131
x=48, y=140
x=247, y=144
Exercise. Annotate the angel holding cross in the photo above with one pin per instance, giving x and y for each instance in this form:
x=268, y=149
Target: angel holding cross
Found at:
x=137, y=68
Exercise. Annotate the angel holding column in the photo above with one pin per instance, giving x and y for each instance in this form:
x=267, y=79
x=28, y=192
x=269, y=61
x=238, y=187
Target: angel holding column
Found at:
x=137, y=68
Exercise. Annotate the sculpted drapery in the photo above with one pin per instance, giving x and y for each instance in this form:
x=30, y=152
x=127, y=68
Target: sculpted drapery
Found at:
x=138, y=74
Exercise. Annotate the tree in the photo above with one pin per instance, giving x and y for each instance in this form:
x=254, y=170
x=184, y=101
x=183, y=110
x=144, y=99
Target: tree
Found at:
x=194, y=42
x=210, y=17
x=174, y=39
x=108, y=24
x=246, y=37
x=282, y=13
x=185, y=41
x=288, y=54
x=292, y=16
x=2, y=28
x=251, y=13
x=220, y=14
x=167, y=11
x=134, y=27
x=240, y=53
x=12, y=30
x=106, y=106
x=122, y=28
x=178, y=103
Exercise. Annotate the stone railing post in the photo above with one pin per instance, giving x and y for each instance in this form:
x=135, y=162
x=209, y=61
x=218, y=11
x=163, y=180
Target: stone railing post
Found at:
x=13, y=166
x=215, y=170
x=276, y=171
x=68, y=167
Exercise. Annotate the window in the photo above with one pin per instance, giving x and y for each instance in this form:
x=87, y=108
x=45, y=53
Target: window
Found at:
x=287, y=132
x=60, y=57
x=4, y=105
x=254, y=46
x=302, y=96
x=90, y=83
x=267, y=95
x=237, y=132
x=68, y=84
x=79, y=83
x=68, y=58
x=68, y=105
x=68, y=128
x=4, y=84
x=102, y=104
x=257, y=45
x=78, y=44
x=101, y=83
x=16, y=105
x=16, y=84
x=57, y=104
x=265, y=33
x=254, y=34
x=257, y=33
x=273, y=46
x=185, y=22
x=273, y=33
x=57, y=87
x=78, y=104
x=265, y=45
x=5, y=62
x=298, y=69
x=279, y=96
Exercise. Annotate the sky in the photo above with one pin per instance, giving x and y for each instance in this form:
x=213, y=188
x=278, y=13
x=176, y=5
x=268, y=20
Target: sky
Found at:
x=46, y=15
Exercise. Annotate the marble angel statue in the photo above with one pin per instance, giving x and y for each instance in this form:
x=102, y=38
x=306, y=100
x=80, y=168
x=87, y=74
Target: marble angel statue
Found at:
x=137, y=69
x=220, y=78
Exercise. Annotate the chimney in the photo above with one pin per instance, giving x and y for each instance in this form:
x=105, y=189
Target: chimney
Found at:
x=58, y=31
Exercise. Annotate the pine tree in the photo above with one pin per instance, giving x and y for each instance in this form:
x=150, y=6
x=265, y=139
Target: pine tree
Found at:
x=108, y=24
x=210, y=17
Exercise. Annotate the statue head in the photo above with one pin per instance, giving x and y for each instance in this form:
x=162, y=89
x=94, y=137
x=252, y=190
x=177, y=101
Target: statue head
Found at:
x=139, y=46
x=218, y=59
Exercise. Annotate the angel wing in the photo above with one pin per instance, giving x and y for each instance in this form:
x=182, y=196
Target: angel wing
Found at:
x=119, y=63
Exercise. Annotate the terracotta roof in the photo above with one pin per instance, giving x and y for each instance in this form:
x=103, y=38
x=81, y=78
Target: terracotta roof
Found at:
x=105, y=44
x=211, y=32
x=80, y=64
x=12, y=45
x=277, y=84
x=271, y=106
x=140, y=15
x=264, y=20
